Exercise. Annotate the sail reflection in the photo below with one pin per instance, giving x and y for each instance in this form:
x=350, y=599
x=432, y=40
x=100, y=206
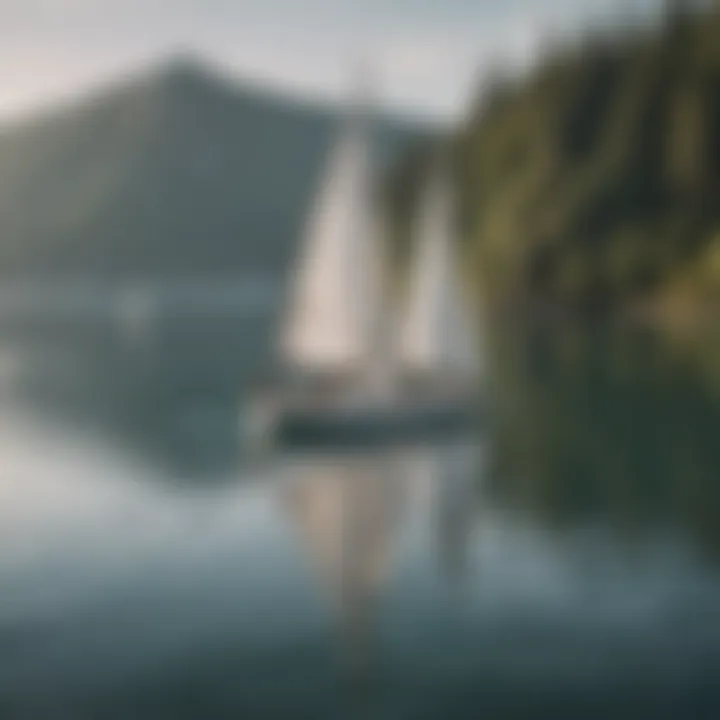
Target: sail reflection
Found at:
x=347, y=512
x=351, y=514
x=456, y=476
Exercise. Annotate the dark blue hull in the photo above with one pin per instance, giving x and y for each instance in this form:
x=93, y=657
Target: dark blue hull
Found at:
x=372, y=428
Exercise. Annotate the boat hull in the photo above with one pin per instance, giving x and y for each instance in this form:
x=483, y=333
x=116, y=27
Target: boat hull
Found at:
x=310, y=427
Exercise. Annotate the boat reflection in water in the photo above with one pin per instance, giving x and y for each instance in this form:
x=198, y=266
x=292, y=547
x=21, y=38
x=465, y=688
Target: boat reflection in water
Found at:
x=356, y=515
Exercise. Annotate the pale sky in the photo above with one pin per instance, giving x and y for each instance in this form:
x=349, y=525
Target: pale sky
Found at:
x=426, y=53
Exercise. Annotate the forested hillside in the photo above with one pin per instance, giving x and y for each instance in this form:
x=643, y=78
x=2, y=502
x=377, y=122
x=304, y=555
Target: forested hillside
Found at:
x=594, y=181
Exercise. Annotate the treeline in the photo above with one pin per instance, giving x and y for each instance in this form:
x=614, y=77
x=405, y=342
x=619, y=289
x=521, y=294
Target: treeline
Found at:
x=594, y=181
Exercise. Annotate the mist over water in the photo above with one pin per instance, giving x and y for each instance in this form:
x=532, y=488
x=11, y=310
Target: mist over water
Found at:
x=563, y=562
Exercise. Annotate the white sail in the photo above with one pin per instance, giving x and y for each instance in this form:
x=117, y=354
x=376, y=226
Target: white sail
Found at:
x=333, y=313
x=438, y=336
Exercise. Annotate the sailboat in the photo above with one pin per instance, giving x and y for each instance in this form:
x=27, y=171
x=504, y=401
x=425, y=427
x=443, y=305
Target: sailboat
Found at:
x=343, y=368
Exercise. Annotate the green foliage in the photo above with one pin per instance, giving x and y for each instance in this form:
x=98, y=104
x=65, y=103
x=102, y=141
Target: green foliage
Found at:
x=596, y=179
x=603, y=421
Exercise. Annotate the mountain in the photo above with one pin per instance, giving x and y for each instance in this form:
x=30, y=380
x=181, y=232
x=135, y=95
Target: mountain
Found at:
x=178, y=173
x=593, y=182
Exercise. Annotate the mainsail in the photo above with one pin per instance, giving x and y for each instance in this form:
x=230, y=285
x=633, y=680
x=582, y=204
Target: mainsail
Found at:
x=332, y=323
x=438, y=335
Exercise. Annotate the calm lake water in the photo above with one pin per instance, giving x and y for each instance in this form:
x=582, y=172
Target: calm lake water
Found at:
x=563, y=562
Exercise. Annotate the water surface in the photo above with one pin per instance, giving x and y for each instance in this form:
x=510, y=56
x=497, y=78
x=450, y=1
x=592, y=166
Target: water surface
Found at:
x=562, y=562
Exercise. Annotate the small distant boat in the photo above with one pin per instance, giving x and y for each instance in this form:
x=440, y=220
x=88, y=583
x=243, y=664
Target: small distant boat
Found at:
x=355, y=371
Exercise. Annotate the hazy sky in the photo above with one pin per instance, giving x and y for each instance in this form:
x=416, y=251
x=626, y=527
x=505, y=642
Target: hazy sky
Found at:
x=426, y=51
